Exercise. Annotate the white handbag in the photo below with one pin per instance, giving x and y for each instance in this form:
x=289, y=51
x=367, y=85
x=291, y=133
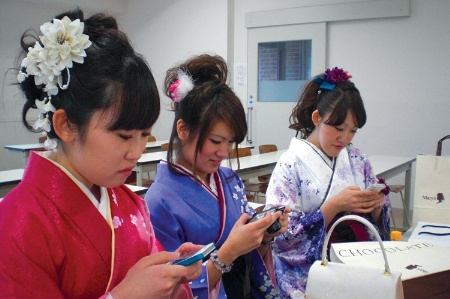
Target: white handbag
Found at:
x=347, y=281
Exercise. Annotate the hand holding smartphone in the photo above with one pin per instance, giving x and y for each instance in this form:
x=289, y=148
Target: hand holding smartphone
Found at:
x=276, y=226
x=190, y=258
x=377, y=187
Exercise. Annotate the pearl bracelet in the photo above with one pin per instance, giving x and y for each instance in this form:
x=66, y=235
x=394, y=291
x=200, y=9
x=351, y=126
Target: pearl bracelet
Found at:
x=218, y=264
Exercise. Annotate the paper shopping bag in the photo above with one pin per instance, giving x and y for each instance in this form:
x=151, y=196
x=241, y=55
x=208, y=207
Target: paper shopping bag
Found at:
x=432, y=188
x=344, y=281
x=424, y=267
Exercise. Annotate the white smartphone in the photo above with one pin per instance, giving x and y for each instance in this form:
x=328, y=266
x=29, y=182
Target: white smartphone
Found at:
x=190, y=258
x=377, y=187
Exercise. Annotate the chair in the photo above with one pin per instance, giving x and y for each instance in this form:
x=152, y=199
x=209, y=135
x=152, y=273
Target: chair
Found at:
x=266, y=148
x=399, y=189
x=263, y=180
x=254, y=189
x=242, y=151
x=165, y=146
x=131, y=180
x=249, y=187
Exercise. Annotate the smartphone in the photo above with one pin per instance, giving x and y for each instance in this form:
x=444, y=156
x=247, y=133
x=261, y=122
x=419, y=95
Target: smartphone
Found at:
x=276, y=226
x=190, y=258
x=377, y=187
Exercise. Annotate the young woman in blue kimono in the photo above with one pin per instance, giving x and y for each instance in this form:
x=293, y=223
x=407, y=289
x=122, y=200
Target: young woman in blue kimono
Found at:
x=196, y=199
x=322, y=176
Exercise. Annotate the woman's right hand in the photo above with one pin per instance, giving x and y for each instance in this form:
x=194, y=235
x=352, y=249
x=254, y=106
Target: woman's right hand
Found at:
x=244, y=237
x=153, y=277
x=353, y=199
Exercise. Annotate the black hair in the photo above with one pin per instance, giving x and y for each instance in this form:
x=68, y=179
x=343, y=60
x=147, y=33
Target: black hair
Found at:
x=343, y=99
x=112, y=75
x=210, y=101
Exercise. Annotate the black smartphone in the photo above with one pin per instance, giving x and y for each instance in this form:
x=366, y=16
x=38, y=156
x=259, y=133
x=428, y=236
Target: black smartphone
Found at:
x=276, y=226
x=190, y=258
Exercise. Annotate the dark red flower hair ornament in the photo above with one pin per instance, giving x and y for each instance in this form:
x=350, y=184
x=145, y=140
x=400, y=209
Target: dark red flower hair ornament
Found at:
x=386, y=190
x=331, y=77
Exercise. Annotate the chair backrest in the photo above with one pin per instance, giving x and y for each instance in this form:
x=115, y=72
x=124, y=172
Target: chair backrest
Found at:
x=151, y=138
x=242, y=151
x=165, y=146
x=266, y=148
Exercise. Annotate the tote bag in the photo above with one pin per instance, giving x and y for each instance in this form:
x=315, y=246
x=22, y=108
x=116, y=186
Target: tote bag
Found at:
x=344, y=281
x=432, y=187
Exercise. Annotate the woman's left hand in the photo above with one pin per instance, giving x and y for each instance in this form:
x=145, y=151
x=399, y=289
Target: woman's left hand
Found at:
x=378, y=206
x=284, y=221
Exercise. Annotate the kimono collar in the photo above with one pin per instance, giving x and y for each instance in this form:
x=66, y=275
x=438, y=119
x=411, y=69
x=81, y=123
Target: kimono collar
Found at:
x=212, y=187
x=102, y=205
x=299, y=146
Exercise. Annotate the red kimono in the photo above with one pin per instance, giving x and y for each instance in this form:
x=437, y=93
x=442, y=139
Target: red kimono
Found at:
x=56, y=244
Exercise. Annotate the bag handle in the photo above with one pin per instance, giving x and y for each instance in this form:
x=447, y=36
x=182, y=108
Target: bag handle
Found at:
x=439, y=146
x=387, y=270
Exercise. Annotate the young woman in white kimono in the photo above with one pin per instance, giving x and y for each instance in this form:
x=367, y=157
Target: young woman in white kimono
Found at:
x=322, y=176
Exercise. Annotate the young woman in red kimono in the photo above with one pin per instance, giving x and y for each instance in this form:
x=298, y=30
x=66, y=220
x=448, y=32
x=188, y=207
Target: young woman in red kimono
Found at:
x=71, y=229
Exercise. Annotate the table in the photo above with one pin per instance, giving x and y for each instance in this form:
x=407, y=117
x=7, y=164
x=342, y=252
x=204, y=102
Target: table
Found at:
x=9, y=179
x=387, y=167
x=137, y=189
x=148, y=162
x=155, y=146
x=24, y=150
x=255, y=165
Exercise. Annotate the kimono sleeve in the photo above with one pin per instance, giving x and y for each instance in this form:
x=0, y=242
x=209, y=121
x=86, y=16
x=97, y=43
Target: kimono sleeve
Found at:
x=306, y=231
x=26, y=260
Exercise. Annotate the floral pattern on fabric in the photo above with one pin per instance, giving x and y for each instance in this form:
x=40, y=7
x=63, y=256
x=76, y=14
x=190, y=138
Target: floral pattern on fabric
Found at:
x=196, y=210
x=300, y=181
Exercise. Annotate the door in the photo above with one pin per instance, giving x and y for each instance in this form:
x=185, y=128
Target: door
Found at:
x=280, y=60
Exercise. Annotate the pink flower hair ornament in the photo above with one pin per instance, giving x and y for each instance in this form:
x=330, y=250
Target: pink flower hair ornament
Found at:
x=181, y=87
x=331, y=77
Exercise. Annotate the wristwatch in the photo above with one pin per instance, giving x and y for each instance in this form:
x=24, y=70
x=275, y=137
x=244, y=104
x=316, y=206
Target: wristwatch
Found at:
x=268, y=243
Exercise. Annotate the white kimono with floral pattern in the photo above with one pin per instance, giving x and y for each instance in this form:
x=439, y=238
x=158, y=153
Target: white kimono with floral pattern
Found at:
x=300, y=180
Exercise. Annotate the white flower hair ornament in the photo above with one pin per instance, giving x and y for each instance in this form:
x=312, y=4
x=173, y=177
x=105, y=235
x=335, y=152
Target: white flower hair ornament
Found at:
x=181, y=87
x=61, y=44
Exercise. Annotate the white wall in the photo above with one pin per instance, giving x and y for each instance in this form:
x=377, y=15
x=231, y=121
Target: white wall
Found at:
x=164, y=31
x=17, y=16
x=399, y=64
x=168, y=32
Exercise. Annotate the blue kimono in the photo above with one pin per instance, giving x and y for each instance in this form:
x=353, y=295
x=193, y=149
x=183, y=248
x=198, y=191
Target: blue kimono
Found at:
x=183, y=210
